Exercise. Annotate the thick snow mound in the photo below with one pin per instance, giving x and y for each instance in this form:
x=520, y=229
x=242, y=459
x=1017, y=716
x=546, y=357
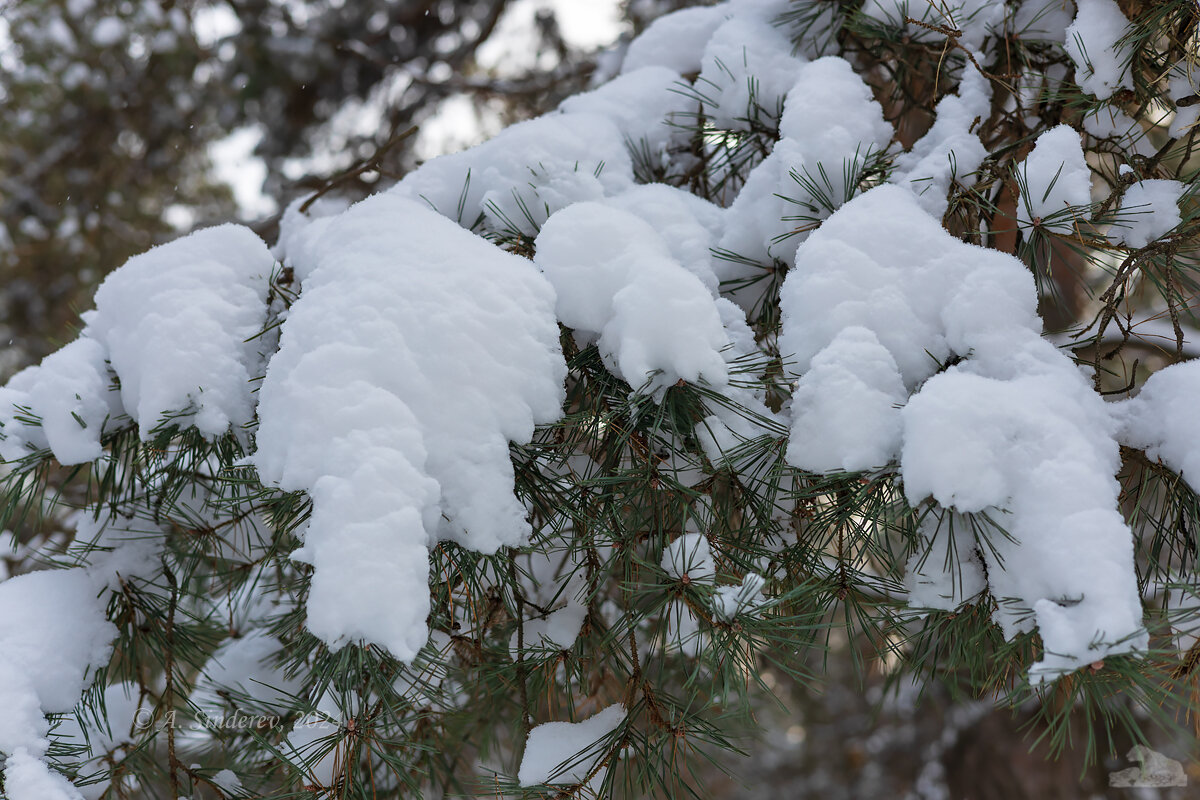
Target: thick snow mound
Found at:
x=175, y=326
x=1014, y=432
x=414, y=355
x=616, y=277
x=178, y=321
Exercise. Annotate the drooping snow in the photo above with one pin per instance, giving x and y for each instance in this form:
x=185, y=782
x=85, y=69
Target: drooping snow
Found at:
x=1014, y=432
x=177, y=322
x=615, y=276
x=69, y=401
x=924, y=294
x=1101, y=65
x=53, y=631
x=829, y=126
x=1019, y=434
x=1161, y=419
x=1148, y=210
x=1055, y=181
x=415, y=353
x=846, y=407
x=690, y=226
x=567, y=752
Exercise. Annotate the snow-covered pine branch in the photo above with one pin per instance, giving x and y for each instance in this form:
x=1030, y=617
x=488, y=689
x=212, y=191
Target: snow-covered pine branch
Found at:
x=620, y=401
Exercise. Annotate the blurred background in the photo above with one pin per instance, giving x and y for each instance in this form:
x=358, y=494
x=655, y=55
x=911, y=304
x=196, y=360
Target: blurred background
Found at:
x=125, y=123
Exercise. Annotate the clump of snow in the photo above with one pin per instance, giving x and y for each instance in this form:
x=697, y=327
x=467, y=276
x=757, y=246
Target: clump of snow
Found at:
x=315, y=745
x=974, y=19
x=1148, y=210
x=615, y=276
x=646, y=105
x=553, y=582
x=415, y=353
x=53, y=630
x=1020, y=435
x=1055, y=182
x=924, y=294
x=745, y=73
x=829, y=127
x=1161, y=419
x=1042, y=20
x=525, y=173
x=1113, y=123
x=1101, y=65
x=106, y=739
x=27, y=777
x=1014, y=431
x=846, y=406
x=690, y=555
x=63, y=404
x=690, y=226
x=676, y=40
x=1183, y=83
x=568, y=752
x=949, y=150
x=740, y=598
x=177, y=324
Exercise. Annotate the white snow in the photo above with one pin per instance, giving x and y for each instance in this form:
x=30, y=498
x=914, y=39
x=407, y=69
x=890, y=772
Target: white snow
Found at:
x=615, y=276
x=647, y=105
x=746, y=70
x=72, y=394
x=529, y=170
x=1056, y=184
x=414, y=355
x=846, y=406
x=740, y=598
x=830, y=123
x=676, y=40
x=1015, y=431
x=949, y=150
x=690, y=555
x=1101, y=66
x=1161, y=419
x=174, y=322
x=1018, y=433
x=566, y=752
x=924, y=294
x=1183, y=83
x=1148, y=210
x=974, y=19
x=53, y=631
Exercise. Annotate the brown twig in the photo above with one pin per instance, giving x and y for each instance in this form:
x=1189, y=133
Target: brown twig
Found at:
x=372, y=164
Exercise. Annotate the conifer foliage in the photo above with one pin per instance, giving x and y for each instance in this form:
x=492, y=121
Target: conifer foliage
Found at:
x=819, y=316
